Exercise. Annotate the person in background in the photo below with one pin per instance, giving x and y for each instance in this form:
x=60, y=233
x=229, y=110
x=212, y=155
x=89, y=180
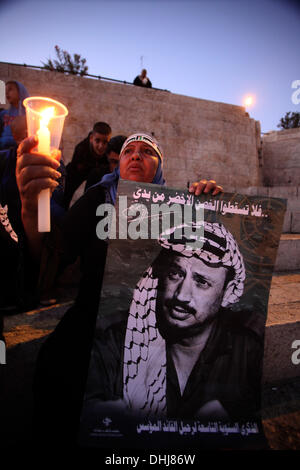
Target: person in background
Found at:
x=88, y=154
x=143, y=80
x=113, y=155
x=14, y=294
x=113, y=151
x=15, y=95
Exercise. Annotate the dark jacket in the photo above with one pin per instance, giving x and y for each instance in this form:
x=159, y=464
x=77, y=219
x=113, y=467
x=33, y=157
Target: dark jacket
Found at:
x=63, y=361
x=83, y=162
x=19, y=283
x=137, y=81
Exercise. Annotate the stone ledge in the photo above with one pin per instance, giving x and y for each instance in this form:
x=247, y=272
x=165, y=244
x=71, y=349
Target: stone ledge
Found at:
x=288, y=255
x=284, y=134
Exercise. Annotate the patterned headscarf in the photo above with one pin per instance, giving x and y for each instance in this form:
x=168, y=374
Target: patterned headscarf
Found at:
x=144, y=367
x=148, y=139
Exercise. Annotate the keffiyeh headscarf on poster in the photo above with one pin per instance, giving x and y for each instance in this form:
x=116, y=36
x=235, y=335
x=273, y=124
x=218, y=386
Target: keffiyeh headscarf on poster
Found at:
x=144, y=368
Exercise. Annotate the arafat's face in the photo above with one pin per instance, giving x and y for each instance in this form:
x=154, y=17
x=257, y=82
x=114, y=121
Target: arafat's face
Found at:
x=138, y=162
x=191, y=293
x=12, y=94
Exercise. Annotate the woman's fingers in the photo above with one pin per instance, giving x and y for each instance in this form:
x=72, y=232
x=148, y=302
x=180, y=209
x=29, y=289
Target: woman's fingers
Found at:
x=204, y=186
x=36, y=173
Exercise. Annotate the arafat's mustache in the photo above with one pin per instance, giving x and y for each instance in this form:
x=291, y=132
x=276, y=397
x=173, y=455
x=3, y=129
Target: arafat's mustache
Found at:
x=171, y=304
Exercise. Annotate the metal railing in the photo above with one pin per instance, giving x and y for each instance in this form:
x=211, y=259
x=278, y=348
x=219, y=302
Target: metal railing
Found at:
x=98, y=77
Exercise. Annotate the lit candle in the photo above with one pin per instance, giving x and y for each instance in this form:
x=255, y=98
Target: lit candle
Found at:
x=43, y=135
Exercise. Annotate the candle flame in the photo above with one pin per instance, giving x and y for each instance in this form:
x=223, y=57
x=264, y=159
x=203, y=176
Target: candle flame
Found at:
x=46, y=115
x=43, y=132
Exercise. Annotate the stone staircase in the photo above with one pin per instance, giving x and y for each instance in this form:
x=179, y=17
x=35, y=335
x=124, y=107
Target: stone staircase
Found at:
x=288, y=255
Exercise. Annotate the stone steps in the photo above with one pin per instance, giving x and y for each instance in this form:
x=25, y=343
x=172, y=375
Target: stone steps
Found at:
x=282, y=327
x=288, y=255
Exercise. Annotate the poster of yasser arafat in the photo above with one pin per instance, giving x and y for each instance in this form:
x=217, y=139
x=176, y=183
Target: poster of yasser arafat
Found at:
x=178, y=350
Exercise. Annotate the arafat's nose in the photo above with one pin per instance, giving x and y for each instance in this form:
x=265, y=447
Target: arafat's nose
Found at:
x=184, y=290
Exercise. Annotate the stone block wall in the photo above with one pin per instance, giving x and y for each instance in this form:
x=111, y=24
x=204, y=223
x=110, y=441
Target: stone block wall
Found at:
x=201, y=139
x=281, y=158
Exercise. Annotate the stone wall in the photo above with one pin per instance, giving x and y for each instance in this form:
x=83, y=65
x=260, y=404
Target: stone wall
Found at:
x=200, y=138
x=281, y=158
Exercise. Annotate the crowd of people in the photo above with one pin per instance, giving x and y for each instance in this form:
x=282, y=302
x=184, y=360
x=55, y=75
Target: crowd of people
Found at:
x=31, y=257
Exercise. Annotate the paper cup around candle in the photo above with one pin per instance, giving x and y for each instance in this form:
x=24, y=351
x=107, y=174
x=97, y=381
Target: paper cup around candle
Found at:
x=45, y=119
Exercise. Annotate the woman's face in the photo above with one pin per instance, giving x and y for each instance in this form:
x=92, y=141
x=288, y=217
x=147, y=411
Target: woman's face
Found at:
x=12, y=94
x=138, y=162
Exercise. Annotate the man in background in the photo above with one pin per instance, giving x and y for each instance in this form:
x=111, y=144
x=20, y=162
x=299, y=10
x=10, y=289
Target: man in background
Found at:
x=113, y=155
x=143, y=80
x=88, y=154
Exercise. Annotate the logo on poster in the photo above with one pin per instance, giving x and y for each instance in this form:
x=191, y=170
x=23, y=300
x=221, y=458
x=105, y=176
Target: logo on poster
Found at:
x=106, y=429
x=106, y=421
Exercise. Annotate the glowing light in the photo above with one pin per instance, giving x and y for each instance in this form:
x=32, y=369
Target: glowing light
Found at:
x=45, y=119
x=249, y=100
x=43, y=132
x=46, y=115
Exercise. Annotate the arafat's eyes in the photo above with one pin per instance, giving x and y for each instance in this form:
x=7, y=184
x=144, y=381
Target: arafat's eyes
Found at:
x=174, y=275
x=201, y=282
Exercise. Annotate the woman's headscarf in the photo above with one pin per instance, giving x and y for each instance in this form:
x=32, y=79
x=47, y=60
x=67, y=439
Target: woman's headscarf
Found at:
x=110, y=181
x=23, y=93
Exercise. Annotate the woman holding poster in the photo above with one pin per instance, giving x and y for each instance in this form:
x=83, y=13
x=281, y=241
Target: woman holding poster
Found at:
x=64, y=358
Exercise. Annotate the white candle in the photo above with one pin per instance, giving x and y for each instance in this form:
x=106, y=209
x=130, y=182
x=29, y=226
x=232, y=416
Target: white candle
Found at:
x=44, y=147
x=44, y=139
x=44, y=211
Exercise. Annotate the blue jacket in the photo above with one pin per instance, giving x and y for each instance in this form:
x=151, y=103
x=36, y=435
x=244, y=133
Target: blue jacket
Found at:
x=8, y=115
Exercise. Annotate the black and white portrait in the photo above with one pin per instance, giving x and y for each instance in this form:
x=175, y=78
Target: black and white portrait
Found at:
x=189, y=345
x=186, y=354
